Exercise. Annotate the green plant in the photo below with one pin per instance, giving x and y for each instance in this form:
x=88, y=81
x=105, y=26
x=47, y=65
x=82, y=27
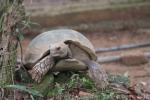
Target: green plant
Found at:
x=77, y=82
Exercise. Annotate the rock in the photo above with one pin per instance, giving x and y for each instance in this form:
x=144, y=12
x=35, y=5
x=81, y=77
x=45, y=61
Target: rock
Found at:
x=133, y=58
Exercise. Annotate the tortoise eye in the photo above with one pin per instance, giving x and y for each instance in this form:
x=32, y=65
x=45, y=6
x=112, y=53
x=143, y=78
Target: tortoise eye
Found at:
x=58, y=48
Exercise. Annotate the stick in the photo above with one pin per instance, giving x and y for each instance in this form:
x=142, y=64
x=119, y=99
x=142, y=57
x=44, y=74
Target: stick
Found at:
x=123, y=47
x=116, y=58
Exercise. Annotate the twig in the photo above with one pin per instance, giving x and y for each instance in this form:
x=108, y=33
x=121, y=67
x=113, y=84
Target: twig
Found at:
x=123, y=47
x=2, y=95
x=121, y=90
x=116, y=58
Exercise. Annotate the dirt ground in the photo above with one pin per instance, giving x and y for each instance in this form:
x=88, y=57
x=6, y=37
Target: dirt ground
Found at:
x=138, y=73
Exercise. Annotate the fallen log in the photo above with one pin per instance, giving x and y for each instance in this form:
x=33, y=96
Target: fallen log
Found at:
x=123, y=47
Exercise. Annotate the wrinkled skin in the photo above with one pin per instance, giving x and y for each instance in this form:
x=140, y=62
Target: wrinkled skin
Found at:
x=41, y=68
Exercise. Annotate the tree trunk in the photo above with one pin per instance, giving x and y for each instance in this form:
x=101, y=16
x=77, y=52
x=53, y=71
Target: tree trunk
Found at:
x=8, y=59
x=10, y=17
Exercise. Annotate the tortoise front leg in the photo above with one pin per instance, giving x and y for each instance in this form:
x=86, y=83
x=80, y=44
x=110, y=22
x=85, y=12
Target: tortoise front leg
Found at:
x=41, y=68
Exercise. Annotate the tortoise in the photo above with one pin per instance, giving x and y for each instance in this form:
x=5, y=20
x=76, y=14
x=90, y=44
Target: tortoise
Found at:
x=63, y=50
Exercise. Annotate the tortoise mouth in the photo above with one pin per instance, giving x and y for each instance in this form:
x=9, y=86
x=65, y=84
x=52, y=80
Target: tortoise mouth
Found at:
x=56, y=55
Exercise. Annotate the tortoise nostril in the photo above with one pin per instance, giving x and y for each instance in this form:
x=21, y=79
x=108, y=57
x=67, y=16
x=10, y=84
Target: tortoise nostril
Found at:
x=58, y=48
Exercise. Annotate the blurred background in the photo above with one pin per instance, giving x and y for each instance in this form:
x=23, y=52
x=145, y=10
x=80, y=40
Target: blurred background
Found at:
x=106, y=23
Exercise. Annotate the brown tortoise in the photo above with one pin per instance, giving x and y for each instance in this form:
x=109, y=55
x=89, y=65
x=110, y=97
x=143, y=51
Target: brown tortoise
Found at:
x=62, y=50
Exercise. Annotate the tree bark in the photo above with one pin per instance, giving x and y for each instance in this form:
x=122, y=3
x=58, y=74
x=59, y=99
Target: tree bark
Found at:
x=9, y=18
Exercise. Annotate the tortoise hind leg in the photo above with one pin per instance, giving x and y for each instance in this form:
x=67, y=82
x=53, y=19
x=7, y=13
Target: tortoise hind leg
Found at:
x=97, y=74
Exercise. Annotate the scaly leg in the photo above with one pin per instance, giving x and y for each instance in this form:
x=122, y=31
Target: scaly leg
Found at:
x=97, y=74
x=41, y=68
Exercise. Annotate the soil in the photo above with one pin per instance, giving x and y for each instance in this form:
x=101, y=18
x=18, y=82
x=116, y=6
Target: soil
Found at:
x=138, y=73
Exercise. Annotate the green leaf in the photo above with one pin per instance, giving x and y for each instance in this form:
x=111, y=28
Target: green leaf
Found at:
x=25, y=89
x=21, y=37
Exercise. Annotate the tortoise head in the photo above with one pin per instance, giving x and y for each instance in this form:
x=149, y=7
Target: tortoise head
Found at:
x=59, y=50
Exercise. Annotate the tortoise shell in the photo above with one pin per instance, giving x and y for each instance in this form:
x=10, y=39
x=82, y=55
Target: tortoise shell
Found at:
x=41, y=43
